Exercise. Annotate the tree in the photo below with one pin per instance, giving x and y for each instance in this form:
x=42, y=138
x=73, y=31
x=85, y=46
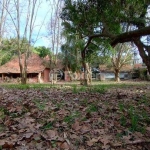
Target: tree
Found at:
x=23, y=20
x=3, y=19
x=9, y=49
x=111, y=21
x=4, y=57
x=120, y=57
x=74, y=58
x=71, y=51
x=42, y=51
x=54, y=34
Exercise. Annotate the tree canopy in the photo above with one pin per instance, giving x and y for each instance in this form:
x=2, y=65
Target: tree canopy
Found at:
x=42, y=51
x=96, y=21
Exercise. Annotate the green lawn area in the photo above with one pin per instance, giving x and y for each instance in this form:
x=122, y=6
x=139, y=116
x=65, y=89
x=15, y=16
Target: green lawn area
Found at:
x=105, y=115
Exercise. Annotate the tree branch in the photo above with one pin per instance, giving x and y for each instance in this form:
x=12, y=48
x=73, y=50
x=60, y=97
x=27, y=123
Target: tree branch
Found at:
x=129, y=36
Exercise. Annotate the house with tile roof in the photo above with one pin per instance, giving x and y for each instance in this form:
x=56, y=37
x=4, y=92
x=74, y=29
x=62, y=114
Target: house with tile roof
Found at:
x=36, y=70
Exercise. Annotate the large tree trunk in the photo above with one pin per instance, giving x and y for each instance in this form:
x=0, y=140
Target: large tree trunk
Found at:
x=53, y=76
x=117, y=78
x=144, y=52
x=23, y=70
x=23, y=76
x=87, y=75
x=23, y=79
x=87, y=70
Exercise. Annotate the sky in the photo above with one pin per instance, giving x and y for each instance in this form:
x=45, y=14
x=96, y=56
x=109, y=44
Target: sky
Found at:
x=47, y=8
x=43, y=16
x=40, y=32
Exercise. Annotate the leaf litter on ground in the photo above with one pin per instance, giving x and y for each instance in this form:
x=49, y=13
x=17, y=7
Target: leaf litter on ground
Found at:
x=117, y=119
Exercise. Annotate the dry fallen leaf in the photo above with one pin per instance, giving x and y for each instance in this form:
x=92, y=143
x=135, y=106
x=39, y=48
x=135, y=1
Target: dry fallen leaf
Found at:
x=76, y=126
x=65, y=146
x=52, y=134
x=84, y=129
x=92, y=141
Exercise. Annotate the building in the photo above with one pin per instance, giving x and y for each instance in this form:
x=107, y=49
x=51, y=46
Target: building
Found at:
x=36, y=70
x=107, y=73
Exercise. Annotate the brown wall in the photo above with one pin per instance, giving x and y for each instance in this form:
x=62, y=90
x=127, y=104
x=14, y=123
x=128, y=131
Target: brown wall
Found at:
x=46, y=75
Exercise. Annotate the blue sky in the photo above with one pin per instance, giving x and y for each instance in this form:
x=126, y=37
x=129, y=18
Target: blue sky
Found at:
x=47, y=8
x=43, y=16
x=40, y=32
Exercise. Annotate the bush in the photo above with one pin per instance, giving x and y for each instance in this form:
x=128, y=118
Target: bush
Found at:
x=143, y=74
x=140, y=73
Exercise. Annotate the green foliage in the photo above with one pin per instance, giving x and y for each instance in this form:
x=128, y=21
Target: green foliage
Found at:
x=99, y=22
x=9, y=48
x=42, y=51
x=5, y=57
x=71, y=51
x=140, y=73
x=143, y=74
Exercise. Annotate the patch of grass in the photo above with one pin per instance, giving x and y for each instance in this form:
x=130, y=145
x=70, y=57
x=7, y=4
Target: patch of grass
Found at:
x=121, y=107
x=2, y=116
x=17, y=86
x=84, y=119
x=98, y=89
x=82, y=88
x=70, y=118
x=59, y=105
x=123, y=121
x=40, y=105
x=92, y=108
x=144, y=100
x=2, y=128
x=144, y=116
x=75, y=90
x=84, y=102
x=119, y=136
x=2, y=113
x=54, y=144
x=14, y=115
x=134, y=122
x=27, y=86
x=48, y=126
x=134, y=118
